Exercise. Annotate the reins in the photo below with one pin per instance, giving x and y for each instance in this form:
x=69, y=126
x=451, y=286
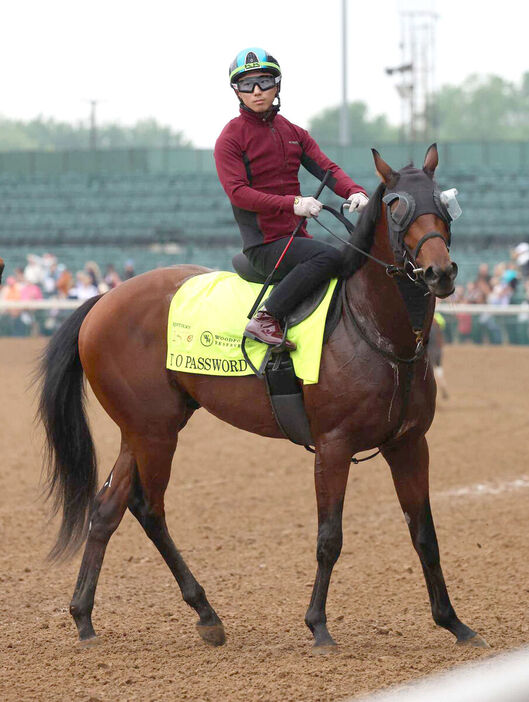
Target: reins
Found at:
x=391, y=268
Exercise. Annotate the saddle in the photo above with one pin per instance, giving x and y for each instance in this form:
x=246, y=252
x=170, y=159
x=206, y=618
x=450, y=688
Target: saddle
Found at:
x=283, y=387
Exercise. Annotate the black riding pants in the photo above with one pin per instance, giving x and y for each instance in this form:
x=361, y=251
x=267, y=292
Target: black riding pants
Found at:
x=306, y=264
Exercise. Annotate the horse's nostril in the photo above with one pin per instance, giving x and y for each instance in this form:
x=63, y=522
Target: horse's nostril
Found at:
x=430, y=274
x=434, y=274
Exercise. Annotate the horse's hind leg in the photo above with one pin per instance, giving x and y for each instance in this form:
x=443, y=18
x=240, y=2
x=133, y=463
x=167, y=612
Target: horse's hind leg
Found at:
x=409, y=466
x=146, y=503
x=109, y=506
x=331, y=470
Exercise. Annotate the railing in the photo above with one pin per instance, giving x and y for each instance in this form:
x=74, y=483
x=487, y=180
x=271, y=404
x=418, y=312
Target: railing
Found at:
x=492, y=324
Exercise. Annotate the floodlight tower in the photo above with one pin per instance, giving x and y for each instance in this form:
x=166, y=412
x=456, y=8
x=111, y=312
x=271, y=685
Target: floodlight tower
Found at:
x=417, y=72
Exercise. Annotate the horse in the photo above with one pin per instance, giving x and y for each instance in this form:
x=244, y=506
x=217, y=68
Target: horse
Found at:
x=118, y=341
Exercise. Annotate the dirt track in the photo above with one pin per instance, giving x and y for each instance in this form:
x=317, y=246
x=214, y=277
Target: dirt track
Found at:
x=242, y=510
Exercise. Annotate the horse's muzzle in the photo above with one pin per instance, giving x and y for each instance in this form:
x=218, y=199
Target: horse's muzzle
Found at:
x=440, y=279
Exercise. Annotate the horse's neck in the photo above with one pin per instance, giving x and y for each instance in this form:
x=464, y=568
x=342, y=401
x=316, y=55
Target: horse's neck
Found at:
x=378, y=305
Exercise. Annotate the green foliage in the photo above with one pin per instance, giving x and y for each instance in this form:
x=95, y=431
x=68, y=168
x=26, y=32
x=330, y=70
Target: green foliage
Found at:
x=481, y=108
x=484, y=108
x=42, y=134
x=324, y=127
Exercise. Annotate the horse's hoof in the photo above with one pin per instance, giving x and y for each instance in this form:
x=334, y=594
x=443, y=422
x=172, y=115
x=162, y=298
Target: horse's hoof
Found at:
x=89, y=642
x=477, y=641
x=213, y=635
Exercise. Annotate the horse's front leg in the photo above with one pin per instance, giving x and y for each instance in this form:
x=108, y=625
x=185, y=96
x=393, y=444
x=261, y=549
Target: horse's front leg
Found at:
x=409, y=467
x=331, y=471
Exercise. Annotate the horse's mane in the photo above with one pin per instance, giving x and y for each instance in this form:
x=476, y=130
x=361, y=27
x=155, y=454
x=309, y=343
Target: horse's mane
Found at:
x=363, y=234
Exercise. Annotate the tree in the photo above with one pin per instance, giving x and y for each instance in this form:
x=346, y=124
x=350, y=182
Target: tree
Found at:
x=484, y=107
x=324, y=126
x=42, y=134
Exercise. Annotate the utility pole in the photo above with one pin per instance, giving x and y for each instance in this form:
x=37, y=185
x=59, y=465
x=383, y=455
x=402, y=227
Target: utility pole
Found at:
x=344, y=110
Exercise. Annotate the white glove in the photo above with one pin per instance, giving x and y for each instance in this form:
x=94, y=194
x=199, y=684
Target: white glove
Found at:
x=307, y=207
x=357, y=202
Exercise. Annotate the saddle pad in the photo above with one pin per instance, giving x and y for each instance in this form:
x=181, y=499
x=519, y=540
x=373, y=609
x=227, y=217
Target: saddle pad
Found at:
x=207, y=317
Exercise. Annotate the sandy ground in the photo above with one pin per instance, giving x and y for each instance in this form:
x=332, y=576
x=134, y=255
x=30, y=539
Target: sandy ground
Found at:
x=242, y=510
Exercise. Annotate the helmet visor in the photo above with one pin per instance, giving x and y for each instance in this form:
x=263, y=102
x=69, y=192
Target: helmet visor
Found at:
x=248, y=83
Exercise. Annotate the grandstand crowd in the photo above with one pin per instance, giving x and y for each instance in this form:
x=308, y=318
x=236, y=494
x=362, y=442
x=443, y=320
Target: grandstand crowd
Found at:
x=45, y=277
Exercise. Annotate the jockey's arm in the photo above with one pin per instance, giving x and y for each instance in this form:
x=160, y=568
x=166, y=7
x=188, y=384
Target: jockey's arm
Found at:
x=317, y=163
x=234, y=179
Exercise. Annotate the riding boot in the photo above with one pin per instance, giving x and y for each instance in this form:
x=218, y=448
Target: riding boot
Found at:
x=263, y=327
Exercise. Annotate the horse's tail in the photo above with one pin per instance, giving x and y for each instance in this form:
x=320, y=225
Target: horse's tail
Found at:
x=69, y=451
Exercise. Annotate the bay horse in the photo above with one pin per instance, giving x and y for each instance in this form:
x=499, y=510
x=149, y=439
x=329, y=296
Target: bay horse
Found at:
x=356, y=405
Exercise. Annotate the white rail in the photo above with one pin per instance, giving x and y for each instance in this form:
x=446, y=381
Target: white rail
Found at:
x=443, y=308
x=452, y=308
x=48, y=304
x=498, y=679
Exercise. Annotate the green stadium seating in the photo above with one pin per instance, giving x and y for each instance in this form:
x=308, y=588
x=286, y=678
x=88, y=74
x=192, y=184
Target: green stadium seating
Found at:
x=103, y=205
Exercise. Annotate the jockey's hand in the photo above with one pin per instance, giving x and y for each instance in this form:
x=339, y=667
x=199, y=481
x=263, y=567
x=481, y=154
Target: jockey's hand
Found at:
x=307, y=207
x=357, y=202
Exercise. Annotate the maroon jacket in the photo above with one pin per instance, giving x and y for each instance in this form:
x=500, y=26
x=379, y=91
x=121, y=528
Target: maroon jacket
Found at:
x=258, y=162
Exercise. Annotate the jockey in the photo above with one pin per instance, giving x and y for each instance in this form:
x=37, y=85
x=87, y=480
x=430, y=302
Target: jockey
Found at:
x=258, y=155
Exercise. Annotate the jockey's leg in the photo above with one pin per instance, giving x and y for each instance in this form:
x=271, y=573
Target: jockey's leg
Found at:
x=306, y=264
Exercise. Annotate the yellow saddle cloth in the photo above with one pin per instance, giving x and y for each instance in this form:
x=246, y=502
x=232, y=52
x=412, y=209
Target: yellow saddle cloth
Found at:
x=207, y=317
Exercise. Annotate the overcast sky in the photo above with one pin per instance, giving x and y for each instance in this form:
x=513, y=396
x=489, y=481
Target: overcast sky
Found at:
x=169, y=59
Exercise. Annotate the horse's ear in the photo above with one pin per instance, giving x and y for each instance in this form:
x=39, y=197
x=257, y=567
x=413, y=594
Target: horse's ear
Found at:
x=431, y=160
x=384, y=171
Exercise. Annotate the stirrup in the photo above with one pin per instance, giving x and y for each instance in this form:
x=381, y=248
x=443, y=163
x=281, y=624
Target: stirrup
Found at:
x=282, y=346
x=274, y=348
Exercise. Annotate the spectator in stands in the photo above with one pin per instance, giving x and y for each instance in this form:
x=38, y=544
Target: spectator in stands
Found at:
x=520, y=254
x=474, y=294
x=483, y=279
x=10, y=292
x=258, y=155
x=84, y=288
x=64, y=282
x=34, y=270
x=94, y=272
x=51, y=275
x=128, y=269
x=30, y=291
x=112, y=278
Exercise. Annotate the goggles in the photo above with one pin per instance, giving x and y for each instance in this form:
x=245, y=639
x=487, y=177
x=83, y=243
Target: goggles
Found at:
x=247, y=85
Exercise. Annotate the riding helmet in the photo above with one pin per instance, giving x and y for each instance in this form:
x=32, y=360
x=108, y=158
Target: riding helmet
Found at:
x=253, y=59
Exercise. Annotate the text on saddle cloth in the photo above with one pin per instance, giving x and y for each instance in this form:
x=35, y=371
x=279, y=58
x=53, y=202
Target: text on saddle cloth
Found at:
x=206, y=321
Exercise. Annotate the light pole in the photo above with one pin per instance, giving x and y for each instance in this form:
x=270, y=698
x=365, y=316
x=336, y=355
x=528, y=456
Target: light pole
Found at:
x=344, y=112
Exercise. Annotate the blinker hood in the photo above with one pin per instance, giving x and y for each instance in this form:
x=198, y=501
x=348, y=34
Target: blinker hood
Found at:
x=426, y=199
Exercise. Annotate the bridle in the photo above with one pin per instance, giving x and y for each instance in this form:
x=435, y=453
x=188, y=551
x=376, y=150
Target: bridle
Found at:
x=402, y=215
